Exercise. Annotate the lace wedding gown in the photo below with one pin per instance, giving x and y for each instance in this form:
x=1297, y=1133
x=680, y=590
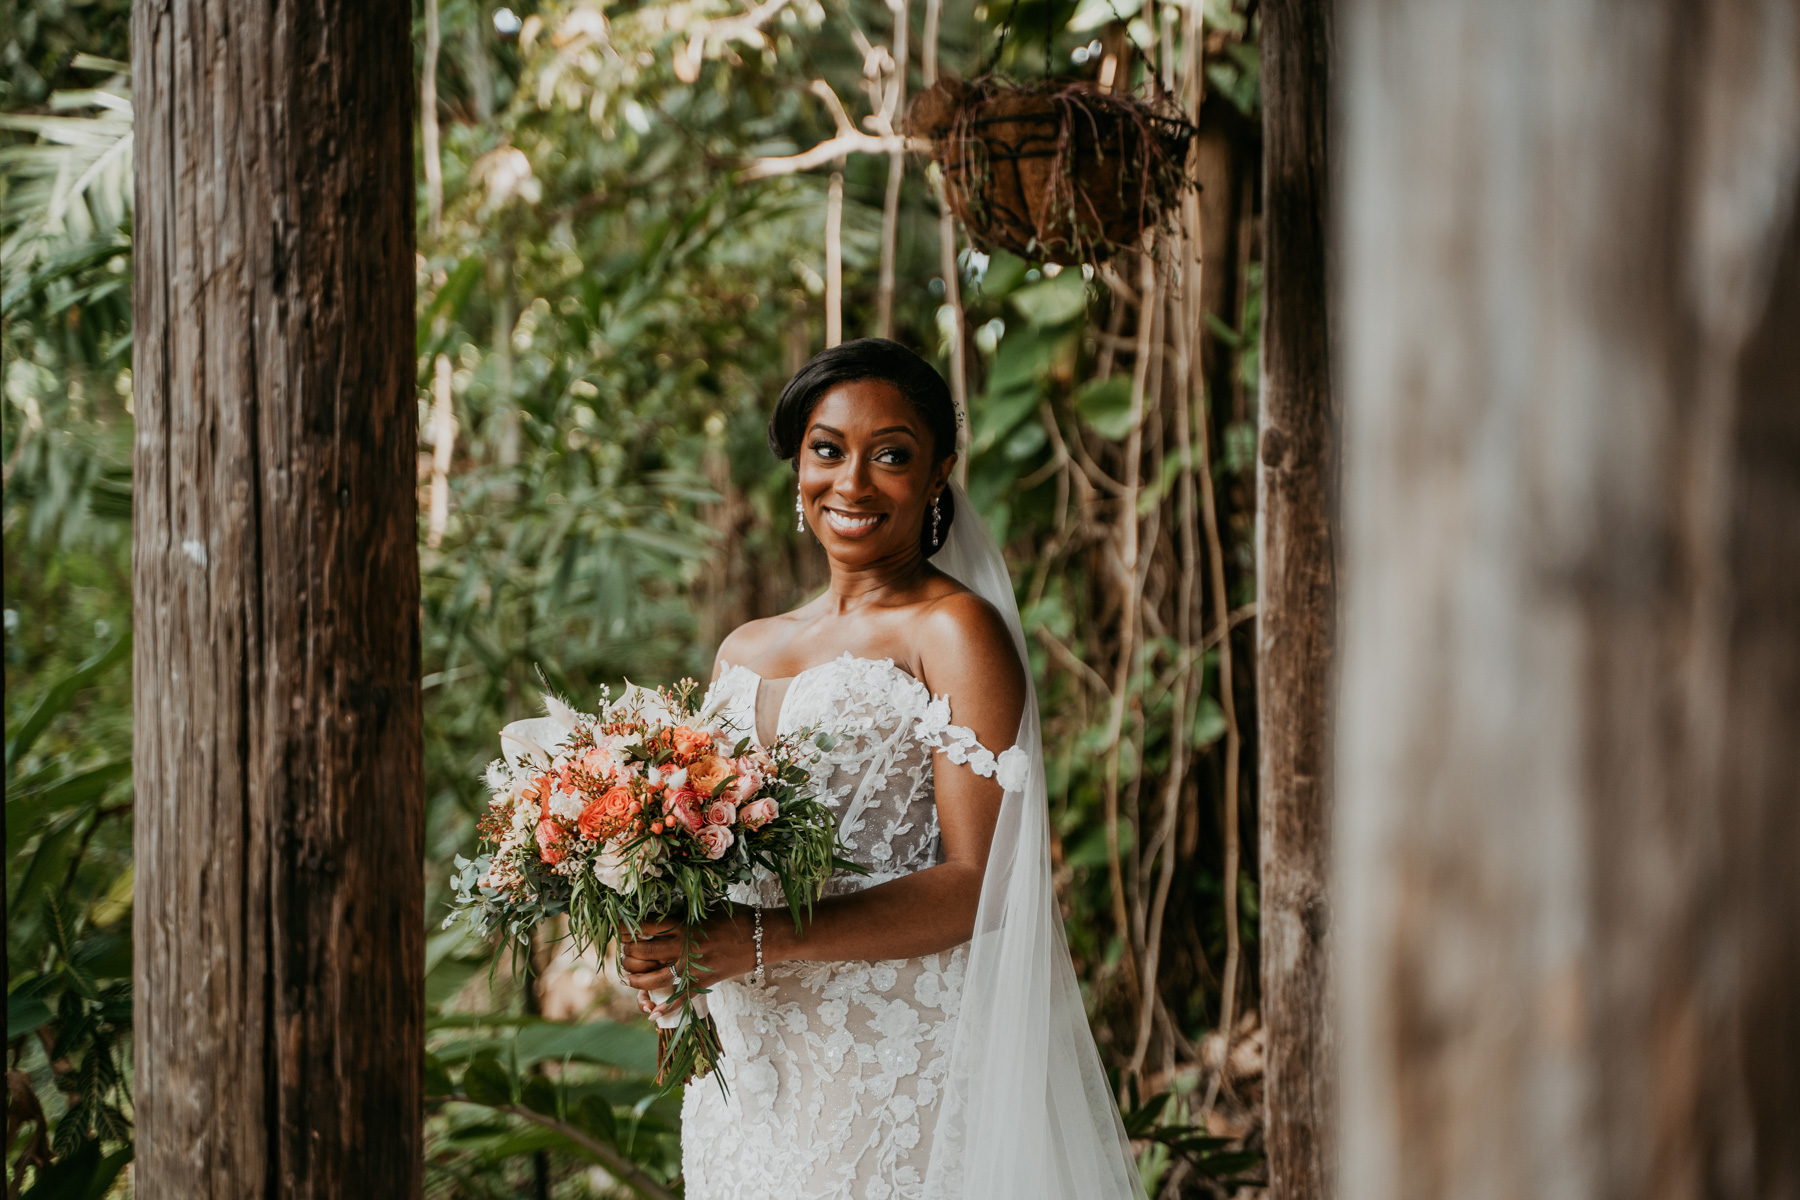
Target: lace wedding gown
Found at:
x=836, y=1069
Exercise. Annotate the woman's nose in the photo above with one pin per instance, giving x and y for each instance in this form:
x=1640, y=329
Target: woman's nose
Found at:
x=853, y=482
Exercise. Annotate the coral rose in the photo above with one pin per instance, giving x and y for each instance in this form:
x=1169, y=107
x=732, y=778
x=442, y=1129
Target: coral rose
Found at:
x=608, y=814
x=547, y=834
x=715, y=840
x=758, y=813
x=708, y=773
x=721, y=812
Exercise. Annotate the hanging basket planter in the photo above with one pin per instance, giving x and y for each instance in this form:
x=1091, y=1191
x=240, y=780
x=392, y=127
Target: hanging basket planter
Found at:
x=1056, y=170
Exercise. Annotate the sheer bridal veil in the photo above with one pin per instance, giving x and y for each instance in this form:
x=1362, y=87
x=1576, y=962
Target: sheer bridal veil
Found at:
x=1027, y=1113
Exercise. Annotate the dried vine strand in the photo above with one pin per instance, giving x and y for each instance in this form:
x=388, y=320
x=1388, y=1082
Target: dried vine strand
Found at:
x=1187, y=291
x=894, y=104
x=1126, y=569
x=947, y=265
x=1227, y=702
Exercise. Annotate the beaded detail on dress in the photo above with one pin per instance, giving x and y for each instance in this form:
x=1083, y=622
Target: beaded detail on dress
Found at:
x=835, y=1068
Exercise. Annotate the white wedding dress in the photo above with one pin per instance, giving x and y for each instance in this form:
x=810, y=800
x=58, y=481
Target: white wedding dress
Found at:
x=835, y=1069
x=965, y=1075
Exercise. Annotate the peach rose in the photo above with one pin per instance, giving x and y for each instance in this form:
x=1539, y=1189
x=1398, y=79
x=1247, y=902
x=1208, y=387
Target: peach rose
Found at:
x=721, y=812
x=758, y=813
x=708, y=773
x=715, y=840
x=690, y=742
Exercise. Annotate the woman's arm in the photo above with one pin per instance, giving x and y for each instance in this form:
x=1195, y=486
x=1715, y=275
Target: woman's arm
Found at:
x=971, y=660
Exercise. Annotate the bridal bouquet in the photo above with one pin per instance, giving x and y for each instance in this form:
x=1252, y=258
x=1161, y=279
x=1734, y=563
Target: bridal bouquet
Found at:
x=647, y=811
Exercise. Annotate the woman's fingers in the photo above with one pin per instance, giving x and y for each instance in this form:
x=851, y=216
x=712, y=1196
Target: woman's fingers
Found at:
x=660, y=951
x=647, y=980
x=651, y=944
x=640, y=964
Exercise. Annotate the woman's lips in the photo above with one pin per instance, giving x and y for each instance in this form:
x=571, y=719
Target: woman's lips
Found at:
x=853, y=525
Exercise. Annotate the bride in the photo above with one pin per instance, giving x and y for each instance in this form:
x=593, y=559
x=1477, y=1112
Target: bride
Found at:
x=922, y=1038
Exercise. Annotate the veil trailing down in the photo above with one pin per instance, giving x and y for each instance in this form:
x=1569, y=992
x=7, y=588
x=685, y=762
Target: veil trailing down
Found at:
x=1027, y=1113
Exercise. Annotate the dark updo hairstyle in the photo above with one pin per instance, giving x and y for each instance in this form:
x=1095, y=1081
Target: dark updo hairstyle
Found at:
x=891, y=363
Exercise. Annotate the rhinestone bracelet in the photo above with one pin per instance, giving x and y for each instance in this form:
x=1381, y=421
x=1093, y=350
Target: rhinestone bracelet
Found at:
x=758, y=975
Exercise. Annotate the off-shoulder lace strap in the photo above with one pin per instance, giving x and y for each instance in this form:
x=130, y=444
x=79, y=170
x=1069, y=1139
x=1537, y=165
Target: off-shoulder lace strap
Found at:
x=960, y=745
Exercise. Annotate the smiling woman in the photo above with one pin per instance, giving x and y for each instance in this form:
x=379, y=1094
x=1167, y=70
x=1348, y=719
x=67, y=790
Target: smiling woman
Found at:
x=897, y=401
x=922, y=1034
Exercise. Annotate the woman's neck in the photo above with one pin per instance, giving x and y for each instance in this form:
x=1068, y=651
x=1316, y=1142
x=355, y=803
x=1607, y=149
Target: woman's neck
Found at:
x=874, y=583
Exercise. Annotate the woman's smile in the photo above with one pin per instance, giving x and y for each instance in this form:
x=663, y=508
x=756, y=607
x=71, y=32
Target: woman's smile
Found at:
x=849, y=524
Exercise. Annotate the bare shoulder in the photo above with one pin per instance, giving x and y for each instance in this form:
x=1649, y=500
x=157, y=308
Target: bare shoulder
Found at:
x=746, y=643
x=964, y=643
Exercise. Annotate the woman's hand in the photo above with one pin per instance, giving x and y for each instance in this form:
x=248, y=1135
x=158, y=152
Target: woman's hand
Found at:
x=720, y=948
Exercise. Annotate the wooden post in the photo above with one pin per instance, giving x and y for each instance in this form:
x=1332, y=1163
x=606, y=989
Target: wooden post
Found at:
x=279, y=811
x=1297, y=594
x=1567, y=755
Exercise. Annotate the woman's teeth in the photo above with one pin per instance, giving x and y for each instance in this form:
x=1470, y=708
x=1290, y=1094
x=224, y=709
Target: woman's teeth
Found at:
x=846, y=524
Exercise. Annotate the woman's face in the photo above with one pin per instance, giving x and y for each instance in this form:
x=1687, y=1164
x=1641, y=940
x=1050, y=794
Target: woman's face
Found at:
x=866, y=474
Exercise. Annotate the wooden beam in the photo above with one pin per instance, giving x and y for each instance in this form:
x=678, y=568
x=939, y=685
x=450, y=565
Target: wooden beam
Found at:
x=1297, y=599
x=279, y=811
x=1567, y=753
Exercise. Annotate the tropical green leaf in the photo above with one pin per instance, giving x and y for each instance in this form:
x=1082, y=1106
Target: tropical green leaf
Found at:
x=1052, y=302
x=1105, y=405
x=485, y=1081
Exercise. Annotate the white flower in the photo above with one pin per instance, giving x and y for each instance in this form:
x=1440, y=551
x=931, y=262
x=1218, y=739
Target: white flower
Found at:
x=613, y=869
x=1013, y=768
x=499, y=779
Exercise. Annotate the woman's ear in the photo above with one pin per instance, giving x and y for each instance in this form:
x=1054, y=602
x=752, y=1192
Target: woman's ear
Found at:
x=940, y=474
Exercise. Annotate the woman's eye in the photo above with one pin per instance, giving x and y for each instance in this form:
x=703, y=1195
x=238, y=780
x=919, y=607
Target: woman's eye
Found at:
x=824, y=449
x=896, y=457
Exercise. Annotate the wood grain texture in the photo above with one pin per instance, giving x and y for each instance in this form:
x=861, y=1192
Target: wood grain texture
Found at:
x=1297, y=596
x=279, y=809
x=1567, y=756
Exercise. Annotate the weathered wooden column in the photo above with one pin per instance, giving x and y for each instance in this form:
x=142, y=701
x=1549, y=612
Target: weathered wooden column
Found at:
x=1297, y=594
x=279, y=923
x=1568, y=750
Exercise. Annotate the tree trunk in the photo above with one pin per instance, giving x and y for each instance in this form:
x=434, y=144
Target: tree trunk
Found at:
x=279, y=911
x=1567, y=756
x=1296, y=628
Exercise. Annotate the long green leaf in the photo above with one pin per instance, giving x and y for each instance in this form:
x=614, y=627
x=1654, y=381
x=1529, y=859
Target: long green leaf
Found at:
x=61, y=695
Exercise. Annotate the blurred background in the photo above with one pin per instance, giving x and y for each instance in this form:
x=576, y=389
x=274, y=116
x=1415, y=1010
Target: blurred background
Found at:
x=607, y=309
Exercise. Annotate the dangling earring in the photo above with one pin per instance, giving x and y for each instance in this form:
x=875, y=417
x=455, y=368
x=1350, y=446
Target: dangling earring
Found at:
x=936, y=516
x=799, y=515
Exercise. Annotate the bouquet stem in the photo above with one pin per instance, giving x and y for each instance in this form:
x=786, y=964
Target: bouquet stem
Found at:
x=687, y=1041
